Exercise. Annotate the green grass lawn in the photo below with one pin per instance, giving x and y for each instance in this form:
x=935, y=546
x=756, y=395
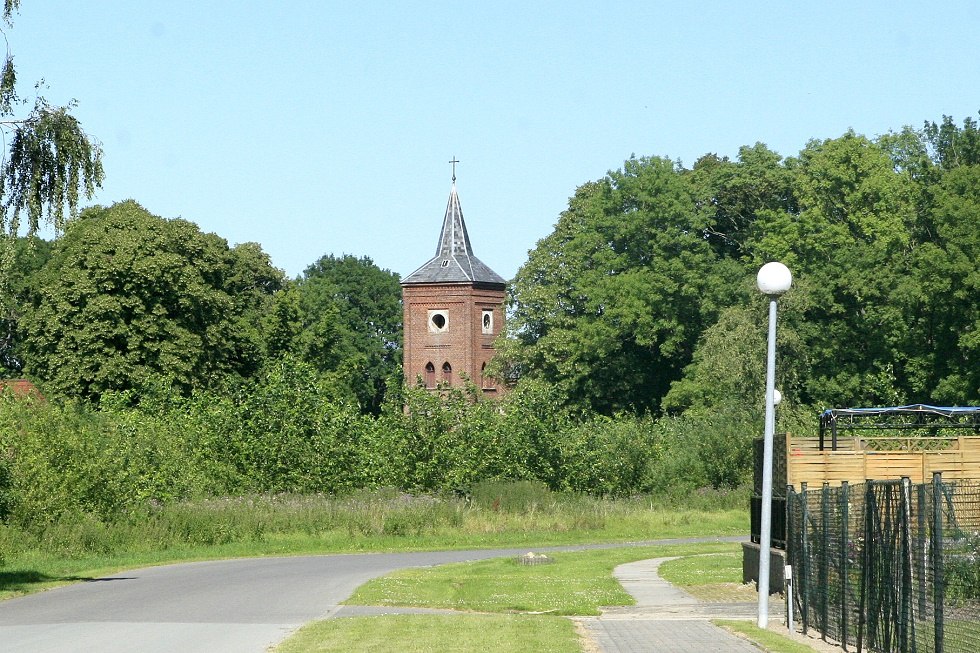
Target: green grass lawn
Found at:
x=711, y=577
x=523, y=602
x=576, y=583
x=465, y=633
x=766, y=640
x=705, y=569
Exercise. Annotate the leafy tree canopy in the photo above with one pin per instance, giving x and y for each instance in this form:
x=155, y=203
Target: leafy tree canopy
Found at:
x=50, y=161
x=128, y=296
x=343, y=315
x=609, y=306
x=29, y=256
x=50, y=158
x=643, y=296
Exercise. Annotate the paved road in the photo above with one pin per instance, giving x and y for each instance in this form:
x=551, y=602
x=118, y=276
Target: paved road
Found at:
x=231, y=606
x=234, y=606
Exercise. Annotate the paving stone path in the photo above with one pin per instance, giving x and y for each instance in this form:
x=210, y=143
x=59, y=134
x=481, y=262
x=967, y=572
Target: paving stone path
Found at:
x=666, y=619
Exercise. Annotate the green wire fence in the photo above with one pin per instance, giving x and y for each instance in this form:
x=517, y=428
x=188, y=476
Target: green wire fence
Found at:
x=887, y=565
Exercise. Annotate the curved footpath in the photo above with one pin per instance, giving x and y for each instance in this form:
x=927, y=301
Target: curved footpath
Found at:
x=248, y=605
x=666, y=619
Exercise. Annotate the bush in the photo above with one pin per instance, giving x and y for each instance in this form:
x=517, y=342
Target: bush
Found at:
x=67, y=471
x=74, y=460
x=711, y=450
x=614, y=456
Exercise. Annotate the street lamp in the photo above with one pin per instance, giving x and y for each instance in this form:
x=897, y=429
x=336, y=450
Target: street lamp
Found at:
x=773, y=280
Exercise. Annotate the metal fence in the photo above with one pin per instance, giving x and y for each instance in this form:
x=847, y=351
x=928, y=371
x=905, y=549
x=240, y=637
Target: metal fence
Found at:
x=887, y=565
x=777, y=530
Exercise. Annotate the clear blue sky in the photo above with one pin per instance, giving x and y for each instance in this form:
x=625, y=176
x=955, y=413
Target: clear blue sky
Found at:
x=315, y=127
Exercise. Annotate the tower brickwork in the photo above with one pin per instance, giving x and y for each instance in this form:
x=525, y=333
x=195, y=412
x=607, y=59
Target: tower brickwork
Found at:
x=453, y=310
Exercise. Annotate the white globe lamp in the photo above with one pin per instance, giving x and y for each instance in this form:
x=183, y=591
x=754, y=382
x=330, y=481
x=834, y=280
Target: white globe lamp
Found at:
x=773, y=279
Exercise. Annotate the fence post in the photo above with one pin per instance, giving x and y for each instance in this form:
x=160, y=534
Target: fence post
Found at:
x=791, y=552
x=883, y=586
x=845, y=497
x=906, y=634
x=823, y=571
x=866, y=574
x=938, y=588
x=788, y=577
x=803, y=580
x=920, y=553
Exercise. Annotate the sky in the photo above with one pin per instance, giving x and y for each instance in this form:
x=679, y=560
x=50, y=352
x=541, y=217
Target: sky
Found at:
x=322, y=127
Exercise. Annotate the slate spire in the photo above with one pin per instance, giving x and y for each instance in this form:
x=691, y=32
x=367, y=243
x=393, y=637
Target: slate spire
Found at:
x=454, y=261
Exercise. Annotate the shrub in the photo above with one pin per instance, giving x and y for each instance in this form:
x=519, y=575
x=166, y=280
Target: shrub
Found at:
x=75, y=460
x=614, y=456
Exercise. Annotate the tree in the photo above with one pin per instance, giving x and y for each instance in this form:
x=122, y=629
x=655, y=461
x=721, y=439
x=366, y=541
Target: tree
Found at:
x=951, y=146
x=731, y=196
x=50, y=157
x=343, y=315
x=844, y=223
x=50, y=161
x=727, y=370
x=610, y=305
x=128, y=296
x=29, y=256
x=938, y=300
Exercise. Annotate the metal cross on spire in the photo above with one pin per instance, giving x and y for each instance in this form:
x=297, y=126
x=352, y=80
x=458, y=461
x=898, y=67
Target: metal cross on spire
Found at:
x=454, y=162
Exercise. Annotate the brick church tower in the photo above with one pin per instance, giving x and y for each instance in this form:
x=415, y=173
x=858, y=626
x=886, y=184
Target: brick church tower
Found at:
x=453, y=310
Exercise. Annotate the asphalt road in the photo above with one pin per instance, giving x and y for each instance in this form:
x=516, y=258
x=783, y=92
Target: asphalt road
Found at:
x=233, y=606
x=228, y=606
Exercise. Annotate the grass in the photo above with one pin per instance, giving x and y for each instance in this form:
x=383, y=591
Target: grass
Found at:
x=577, y=583
x=429, y=633
x=767, y=640
x=499, y=590
x=476, y=634
x=714, y=577
x=365, y=522
x=706, y=569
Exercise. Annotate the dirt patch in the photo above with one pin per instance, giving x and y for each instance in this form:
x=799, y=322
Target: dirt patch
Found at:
x=812, y=639
x=588, y=644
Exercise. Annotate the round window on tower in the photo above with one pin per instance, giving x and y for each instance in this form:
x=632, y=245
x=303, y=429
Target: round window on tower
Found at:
x=438, y=321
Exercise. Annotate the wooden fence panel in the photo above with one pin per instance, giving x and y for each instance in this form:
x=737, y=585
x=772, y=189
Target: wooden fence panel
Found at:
x=805, y=463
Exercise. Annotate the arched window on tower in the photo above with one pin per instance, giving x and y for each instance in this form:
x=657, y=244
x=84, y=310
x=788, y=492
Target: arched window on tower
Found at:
x=430, y=375
x=447, y=372
x=486, y=382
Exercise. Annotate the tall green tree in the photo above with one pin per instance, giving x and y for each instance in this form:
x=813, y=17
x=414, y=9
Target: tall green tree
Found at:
x=29, y=256
x=49, y=164
x=844, y=221
x=938, y=300
x=343, y=316
x=609, y=306
x=732, y=198
x=881, y=237
x=127, y=297
x=951, y=145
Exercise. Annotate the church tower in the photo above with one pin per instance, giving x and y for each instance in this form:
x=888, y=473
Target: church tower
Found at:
x=453, y=310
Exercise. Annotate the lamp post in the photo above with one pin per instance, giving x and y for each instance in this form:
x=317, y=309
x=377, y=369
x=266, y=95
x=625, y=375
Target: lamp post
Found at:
x=773, y=280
